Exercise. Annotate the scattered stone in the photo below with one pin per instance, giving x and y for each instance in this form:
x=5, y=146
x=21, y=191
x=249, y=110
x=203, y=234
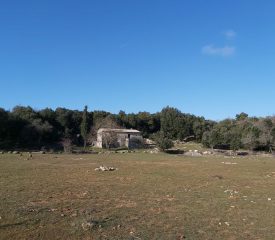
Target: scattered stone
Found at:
x=227, y=224
x=229, y=163
x=73, y=224
x=245, y=198
x=87, y=226
x=29, y=156
x=32, y=210
x=154, y=151
x=104, y=168
x=231, y=192
x=194, y=153
x=15, y=152
x=122, y=151
x=269, y=199
x=84, y=194
x=52, y=210
x=207, y=153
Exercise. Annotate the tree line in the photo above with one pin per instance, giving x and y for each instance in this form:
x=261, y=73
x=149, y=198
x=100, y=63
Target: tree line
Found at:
x=244, y=132
x=27, y=128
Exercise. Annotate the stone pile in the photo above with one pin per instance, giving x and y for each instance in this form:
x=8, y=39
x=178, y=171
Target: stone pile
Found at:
x=104, y=168
x=207, y=153
x=193, y=153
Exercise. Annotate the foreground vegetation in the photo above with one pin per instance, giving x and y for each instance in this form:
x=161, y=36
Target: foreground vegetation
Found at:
x=150, y=196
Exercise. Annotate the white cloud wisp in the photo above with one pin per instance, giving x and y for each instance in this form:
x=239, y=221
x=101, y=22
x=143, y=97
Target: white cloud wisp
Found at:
x=225, y=51
x=230, y=34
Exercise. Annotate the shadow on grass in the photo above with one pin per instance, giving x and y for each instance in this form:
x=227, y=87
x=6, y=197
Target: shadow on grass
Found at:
x=174, y=151
x=13, y=224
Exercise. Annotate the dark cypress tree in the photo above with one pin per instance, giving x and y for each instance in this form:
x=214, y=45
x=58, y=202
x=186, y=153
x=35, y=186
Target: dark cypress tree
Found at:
x=84, y=126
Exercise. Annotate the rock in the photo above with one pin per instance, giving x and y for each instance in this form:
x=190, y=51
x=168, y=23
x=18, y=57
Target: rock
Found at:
x=89, y=225
x=155, y=150
x=15, y=152
x=123, y=151
x=86, y=226
x=229, y=163
x=193, y=153
x=207, y=153
x=73, y=224
x=104, y=168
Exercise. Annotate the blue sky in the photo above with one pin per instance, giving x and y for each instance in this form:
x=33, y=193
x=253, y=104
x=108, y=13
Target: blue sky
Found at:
x=211, y=58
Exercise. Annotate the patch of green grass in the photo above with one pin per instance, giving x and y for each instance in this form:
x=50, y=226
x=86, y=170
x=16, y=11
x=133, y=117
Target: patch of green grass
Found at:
x=150, y=196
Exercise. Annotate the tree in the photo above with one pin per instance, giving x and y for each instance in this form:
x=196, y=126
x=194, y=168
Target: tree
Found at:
x=241, y=116
x=235, y=141
x=211, y=138
x=266, y=127
x=170, y=122
x=109, y=139
x=84, y=126
x=108, y=121
x=4, y=120
x=250, y=139
x=273, y=138
x=162, y=141
x=67, y=145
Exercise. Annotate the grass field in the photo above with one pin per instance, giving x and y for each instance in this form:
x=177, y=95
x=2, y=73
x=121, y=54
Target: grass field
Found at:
x=150, y=196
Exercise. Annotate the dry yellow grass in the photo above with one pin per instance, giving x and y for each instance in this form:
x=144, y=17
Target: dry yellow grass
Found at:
x=150, y=196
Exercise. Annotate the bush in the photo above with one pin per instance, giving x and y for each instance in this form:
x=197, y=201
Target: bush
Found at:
x=162, y=141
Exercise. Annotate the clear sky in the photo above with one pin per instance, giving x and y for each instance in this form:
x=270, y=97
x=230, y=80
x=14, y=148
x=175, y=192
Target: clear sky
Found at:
x=211, y=58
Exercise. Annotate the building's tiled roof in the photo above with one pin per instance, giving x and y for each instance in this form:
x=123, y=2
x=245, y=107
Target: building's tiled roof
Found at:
x=117, y=130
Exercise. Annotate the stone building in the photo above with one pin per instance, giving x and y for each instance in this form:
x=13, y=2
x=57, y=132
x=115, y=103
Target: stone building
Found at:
x=114, y=138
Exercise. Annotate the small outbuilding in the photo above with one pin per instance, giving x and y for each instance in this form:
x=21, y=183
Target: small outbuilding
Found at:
x=114, y=138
